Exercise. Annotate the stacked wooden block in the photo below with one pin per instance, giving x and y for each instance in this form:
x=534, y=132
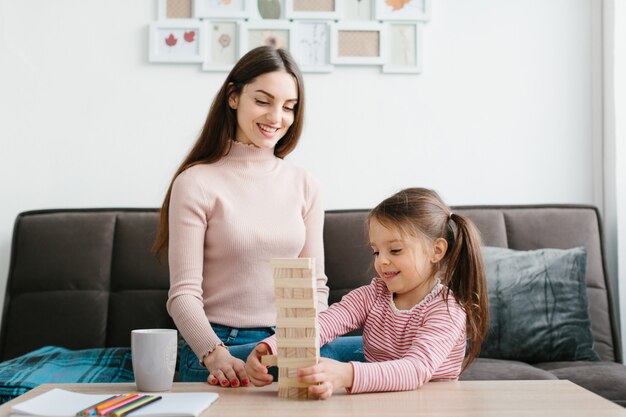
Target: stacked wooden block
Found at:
x=296, y=323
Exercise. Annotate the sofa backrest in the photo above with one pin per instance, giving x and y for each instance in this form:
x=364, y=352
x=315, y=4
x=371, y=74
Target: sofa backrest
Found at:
x=85, y=278
x=82, y=279
x=514, y=227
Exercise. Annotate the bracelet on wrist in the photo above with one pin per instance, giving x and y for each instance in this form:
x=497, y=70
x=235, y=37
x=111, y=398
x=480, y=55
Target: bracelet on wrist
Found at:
x=208, y=352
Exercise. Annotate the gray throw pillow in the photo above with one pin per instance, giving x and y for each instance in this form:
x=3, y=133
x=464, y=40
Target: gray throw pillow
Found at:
x=537, y=305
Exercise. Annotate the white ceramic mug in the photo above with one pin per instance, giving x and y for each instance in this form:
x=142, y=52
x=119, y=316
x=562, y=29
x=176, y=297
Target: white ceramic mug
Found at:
x=154, y=358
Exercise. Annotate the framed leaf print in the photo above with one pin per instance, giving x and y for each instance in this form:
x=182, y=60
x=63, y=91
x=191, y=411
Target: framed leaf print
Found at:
x=177, y=40
x=403, y=9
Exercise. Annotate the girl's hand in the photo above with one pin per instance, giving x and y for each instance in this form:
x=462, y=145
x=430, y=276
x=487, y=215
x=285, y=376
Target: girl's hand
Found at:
x=330, y=374
x=224, y=369
x=255, y=369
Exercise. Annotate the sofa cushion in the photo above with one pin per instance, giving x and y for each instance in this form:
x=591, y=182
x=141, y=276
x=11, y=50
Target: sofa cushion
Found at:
x=565, y=227
x=607, y=379
x=538, y=305
x=51, y=364
x=495, y=369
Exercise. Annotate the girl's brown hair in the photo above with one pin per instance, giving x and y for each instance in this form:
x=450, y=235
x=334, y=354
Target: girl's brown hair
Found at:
x=220, y=126
x=421, y=212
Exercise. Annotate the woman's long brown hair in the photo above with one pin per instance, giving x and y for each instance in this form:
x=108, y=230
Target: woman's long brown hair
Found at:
x=421, y=212
x=220, y=126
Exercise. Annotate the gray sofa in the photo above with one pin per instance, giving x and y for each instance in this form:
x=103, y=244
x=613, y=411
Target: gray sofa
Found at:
x=84, y=278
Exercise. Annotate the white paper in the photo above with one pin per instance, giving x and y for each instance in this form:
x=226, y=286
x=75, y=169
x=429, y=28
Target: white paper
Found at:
x=61, y=403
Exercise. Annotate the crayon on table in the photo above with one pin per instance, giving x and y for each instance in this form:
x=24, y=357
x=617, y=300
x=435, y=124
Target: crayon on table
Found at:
x=126, y=401
x=92, y=408
x=109, y=404
x=122, y=411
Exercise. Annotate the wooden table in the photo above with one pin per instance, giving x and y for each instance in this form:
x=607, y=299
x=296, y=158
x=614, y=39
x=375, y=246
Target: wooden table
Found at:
x=466, y=398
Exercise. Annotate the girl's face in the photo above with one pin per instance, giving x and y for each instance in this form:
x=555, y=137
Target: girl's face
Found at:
x=406, y=264
x=265, y=109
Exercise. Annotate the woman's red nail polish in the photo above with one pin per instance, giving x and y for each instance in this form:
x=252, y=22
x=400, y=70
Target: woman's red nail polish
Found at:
x=214, y=381
x=245, y=382
x=234, y=382
x=225, y=382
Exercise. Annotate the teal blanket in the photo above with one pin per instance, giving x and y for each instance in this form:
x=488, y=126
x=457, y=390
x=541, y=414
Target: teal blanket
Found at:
x=58, y=365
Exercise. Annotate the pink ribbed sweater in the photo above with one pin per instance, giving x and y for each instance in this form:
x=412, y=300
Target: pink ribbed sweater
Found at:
x=226, y=221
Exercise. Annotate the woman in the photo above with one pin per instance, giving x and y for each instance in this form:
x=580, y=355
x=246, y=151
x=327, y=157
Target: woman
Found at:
x=234, y=204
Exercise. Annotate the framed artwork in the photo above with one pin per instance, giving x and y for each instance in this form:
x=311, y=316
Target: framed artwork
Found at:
x=219, y=9
x=402, y=9
x=174, y=9
x=320, y=34
x=270, y=9
x=312, y=9
x=222, y=45
x=358, y=43
x=312, y=47
x=177, y=40
x=404, y=48
x=276, y=33
x=357, y=10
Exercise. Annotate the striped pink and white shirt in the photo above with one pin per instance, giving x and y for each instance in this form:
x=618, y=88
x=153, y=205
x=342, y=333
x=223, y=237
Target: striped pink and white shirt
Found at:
x=404, y=349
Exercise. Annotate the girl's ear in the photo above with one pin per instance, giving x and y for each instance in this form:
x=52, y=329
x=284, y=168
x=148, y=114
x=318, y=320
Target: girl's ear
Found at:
x=233, y=97
x=440, y=247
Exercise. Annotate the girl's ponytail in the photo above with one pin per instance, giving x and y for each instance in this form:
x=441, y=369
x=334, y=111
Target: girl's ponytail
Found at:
x=465, y=277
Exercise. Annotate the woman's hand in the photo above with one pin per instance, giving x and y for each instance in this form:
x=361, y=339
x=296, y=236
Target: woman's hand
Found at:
x=224, y=369
x=255, y=369
x=330, y=375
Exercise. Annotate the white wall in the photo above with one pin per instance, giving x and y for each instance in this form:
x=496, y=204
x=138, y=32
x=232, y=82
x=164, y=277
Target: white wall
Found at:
x=617, y=140
x=501, y=114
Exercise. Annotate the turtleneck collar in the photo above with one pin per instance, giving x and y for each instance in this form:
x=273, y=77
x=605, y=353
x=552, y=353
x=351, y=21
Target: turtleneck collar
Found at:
x=251, y=156
x=250, y=152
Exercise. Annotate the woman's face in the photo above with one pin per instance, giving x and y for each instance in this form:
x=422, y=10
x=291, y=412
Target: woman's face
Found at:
x=265, y=109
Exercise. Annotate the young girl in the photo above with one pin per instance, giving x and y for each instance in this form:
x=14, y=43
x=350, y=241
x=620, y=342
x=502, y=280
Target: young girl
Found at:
x=423, y=318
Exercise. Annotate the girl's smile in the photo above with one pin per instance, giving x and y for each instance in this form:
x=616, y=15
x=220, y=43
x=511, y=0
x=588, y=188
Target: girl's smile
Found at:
x=388, y=276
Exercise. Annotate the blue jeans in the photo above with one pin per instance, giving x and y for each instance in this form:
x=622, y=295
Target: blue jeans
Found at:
x=241, y=342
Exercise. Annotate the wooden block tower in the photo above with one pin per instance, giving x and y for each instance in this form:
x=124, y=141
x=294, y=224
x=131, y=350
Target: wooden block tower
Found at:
x=297, y=336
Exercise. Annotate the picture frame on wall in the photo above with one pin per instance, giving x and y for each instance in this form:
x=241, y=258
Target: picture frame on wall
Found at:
x=402, y=10
x=223, y=9
x=276, y=33
x=222, y=45
x=404, y=48
x=174, y=9
x=357, y=10
x=357, y=43
x=312, y=9
x=269, y=9
x=177, y=40
x=320, y=34
x=312, y=46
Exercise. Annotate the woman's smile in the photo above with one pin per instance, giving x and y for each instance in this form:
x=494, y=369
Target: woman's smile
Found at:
x=267, y=130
